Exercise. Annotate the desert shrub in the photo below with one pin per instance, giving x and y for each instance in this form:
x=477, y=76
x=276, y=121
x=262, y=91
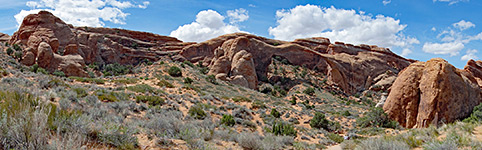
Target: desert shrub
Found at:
x=285, y=129
x=18, y=54
x=116, y=69
x=319, y=121
x=23, y=121
x=110, y=96
x=476, y=115
x=3, y=72
x=59, y=73
x=376, y=117
x=42, y=70
x=88, y=80
x=437, y=145
x=211, y=79
x=16, y=47
x=309, y=91
x=174, y=71
x=241, y=99
x=258, y=104
x=381, y=144
x=188, y=63
x=118, y=136
x=142, y=88
x=34, y=68
x=228, y=120
x=81, y=92
x=126, y=81
x=197, y=112
x=249, y=141
x=204, y=70
x=55, y=82
x=9, y=51
x=266, y=90
x=275, y=113
x=164, y=83
x=346, y=113
x=151, y=100
x=188, y=80
x=335, y=137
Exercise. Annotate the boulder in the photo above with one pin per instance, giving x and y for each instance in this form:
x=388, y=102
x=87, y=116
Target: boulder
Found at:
x=240, y=80
x=243, y=65
x=432, y=92
x=45, y=55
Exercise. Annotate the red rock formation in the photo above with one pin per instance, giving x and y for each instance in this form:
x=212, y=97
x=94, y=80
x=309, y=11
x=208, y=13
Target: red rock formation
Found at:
x=432, y=92
x=475, y=68
x=352, y=68
x=73, y=47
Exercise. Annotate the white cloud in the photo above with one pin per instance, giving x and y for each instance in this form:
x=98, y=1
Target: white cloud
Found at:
x=434, y=29
x=451, y=48
x=339, y=25
x=470, y=54
x=209, y=24
x=406, y=51
x=238, y=15
x=451, y=1
x=463, y=25
x=386, y=2
x=82, y=12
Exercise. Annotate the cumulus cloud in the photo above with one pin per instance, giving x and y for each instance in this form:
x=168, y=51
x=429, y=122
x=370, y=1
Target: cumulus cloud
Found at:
x=451, y=48
x=83, y=12
x=209, y=24
x=470, y=54
x=451, y=1
x=339, y=25
x=463, y=25
x=406, y=51
x=238, y=15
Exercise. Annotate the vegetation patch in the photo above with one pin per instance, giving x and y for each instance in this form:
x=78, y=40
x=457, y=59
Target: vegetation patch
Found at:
x=88, y=80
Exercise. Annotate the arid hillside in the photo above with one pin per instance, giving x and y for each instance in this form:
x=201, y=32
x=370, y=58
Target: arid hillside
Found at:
x=66, y=87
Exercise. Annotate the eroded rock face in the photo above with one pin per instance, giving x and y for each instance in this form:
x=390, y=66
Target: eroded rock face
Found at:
x=475, y=69
x=352, y=68
x=432, y=92
x=55, y=45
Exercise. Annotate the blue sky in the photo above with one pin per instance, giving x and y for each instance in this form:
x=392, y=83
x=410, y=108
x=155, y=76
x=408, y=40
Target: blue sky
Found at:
x=416, y=29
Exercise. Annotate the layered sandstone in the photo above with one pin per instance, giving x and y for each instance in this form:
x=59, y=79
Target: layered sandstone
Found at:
x=432, y=92
x=352, y=68
x=55, y=45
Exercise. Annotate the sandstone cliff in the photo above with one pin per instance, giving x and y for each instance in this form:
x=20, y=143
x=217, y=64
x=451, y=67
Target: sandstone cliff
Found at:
x=432, y=92
x=351, y=68
x=55, y=45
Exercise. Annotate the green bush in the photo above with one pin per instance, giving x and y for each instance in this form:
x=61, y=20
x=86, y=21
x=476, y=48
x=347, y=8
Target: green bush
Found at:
x=34, y=68
x=476, y=115
x=164, y=83
x=188, y=63
x=9, y=51
x=275, y=113
x=258, y=104
x=174, y=71
x=309, y=91
x=87, y=80
x=211, y=79
x=18, y=54
x=319, y=121
x=376, y=117
x=293, y=100
x=197, y=112
x=142, y=88
x=81, y=92
x=17, y=47
x=188, y=80
x=204, y=70
x=106, y=96
x=59, y=73
x=335, y=137
x=228, y=120
x=284, y=129
x=241, y=99
x=116, y=69
x=126, y=81
x=151, y=100
x=346, y=113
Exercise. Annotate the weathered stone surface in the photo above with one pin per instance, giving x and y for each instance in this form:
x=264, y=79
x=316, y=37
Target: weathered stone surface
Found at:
x=347, y=66
x=432, y=92
x=475, y=68
x=100, y=45
x=243, y=65
x=240, y=80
